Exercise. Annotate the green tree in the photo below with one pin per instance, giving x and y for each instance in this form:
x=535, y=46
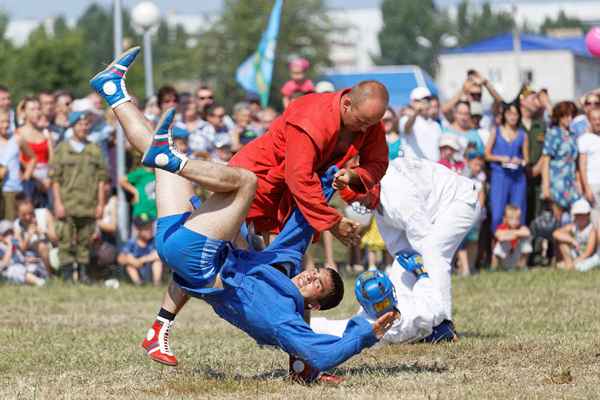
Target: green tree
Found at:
x=173, y=59
x=472, y=25
x=415, y=42
x=235, y=36
x=6, y=52
x=51, y=63
x=561, y=21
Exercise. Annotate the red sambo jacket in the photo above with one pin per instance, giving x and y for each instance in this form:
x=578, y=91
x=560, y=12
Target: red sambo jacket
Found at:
x=296, y=150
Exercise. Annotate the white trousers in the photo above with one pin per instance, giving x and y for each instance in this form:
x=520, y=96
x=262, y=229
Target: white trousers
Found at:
x=425, y=303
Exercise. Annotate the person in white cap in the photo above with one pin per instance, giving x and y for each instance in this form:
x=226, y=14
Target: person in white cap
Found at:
x=578, y=241
x=448, y=148
x=420, y=133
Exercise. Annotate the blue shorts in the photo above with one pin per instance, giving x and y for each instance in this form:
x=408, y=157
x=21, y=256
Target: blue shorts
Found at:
x=194, y=258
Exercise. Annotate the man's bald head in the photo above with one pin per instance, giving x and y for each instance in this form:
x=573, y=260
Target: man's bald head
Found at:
x=364, y=105
x=369, y=90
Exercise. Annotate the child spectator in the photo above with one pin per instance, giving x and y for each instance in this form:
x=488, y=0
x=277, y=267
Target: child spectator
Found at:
x=14, y=266
x=141, y=184
x=578, y=241
x=468, y=252
x=180, y=139
x=448, y=148
x=513, y=241
x=139, y=257
x=35, y=231
x=299, y=83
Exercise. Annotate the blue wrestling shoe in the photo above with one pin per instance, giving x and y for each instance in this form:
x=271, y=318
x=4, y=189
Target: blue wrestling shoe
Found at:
x=412, y=262
x=444, y=332
x=162, y=153
x=110, y=83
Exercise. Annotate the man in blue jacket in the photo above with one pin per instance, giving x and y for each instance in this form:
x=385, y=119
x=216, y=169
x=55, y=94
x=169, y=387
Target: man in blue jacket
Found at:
x=262, y=293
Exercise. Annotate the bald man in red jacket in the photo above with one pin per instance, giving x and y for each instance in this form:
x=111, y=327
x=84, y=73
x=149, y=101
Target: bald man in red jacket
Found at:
x=315, y=132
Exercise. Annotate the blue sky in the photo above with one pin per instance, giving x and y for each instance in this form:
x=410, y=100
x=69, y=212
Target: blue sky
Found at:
x=38, y=9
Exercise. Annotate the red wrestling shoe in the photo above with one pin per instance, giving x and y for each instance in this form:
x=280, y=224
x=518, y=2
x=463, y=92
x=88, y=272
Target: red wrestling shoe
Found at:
x=156, y=342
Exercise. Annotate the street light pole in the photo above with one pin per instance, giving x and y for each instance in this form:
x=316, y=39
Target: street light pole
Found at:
x=149, y=77
x=123, y=211
x=146, y=17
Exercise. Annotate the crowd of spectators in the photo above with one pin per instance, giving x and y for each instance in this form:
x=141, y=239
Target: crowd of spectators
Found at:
x=538, y=164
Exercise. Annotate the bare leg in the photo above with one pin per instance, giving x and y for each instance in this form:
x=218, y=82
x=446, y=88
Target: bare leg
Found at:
x=157, y=269
x=565, y=251
x=463, y=262
x=134, y=275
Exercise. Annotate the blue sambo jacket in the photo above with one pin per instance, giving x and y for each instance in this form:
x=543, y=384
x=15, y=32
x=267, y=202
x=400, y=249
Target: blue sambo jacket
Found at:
x=264, y=302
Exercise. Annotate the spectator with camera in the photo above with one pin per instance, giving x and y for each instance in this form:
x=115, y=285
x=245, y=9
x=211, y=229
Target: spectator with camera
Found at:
x=420, y=134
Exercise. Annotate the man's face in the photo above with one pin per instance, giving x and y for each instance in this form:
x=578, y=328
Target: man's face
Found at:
x=314, y=284
x=591, y=102
x=531, y=102
x=242, y=117
x=266, y=118
x=462, y=116
x=169, y=101
x=358, y=118
x=434, y=108
x=82, y=128
x=594, y=120
x=4, y=124
x=4, y=100
x=47, y=105
x=25, y=212
x=216, y=117
x=63, y=104
x=204, y=98
x=146, y=232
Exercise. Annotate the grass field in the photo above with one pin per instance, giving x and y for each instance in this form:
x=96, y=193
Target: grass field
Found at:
x=524, y=335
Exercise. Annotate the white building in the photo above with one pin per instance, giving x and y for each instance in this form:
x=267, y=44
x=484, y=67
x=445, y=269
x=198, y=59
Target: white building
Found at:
x=563, y=66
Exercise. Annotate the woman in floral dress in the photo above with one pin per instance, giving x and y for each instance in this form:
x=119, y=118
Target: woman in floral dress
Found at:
x=559, y=178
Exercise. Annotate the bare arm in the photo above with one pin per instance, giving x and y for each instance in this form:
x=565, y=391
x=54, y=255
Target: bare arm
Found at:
x=489, y=156
x=129, y=188
x=30, y=165
x=492, y=91
x=525, y=150
x=591, y=245
x=59, y=209
x=546, y=176
x=562, y=235
x=51, y=227
x=410, y=123
x=585, y=183
x=449, y=105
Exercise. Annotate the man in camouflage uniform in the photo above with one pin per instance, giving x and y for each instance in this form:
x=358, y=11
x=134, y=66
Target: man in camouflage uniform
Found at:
x=78, y=172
